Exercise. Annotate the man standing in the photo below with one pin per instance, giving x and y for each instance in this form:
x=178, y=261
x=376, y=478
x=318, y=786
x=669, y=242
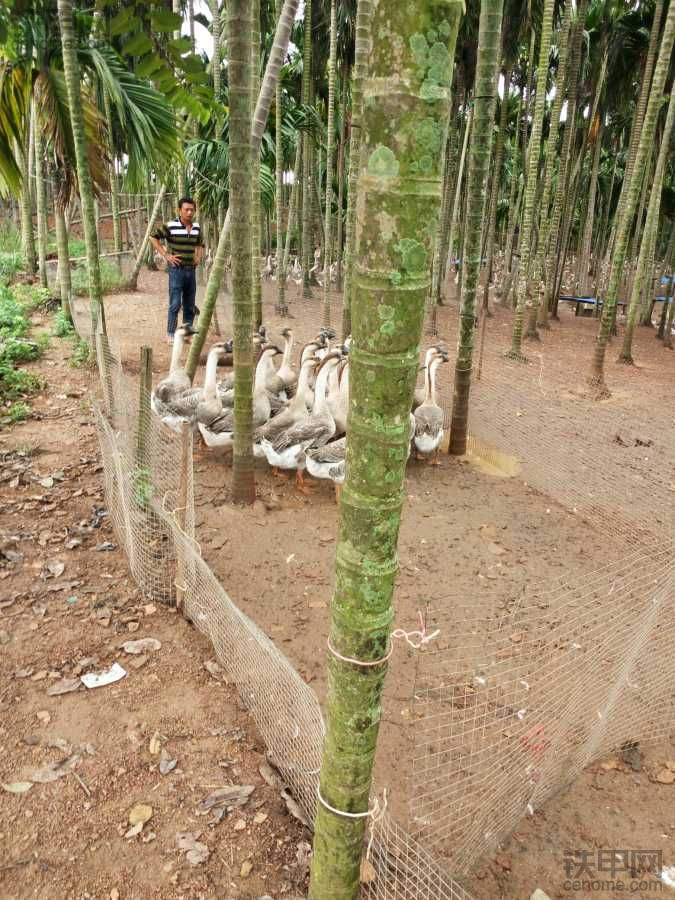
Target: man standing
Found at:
x=183, y=253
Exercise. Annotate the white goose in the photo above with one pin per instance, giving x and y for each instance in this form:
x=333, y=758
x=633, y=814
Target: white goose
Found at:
x=287, y=449
x=285, y=370
x=218, y=430
x=182, y=408
x=429, y=415
x=177, y=380
x=328, y=461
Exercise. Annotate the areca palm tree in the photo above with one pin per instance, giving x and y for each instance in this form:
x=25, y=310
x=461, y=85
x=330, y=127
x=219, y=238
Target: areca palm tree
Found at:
x=330, y=135
x=630, y=197
x=405, y=116
x=523, y=286
x=480, y=152
x=72, y=78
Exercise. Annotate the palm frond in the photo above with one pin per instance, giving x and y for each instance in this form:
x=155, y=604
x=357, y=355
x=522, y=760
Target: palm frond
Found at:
x=144, y=125
x=15, y=88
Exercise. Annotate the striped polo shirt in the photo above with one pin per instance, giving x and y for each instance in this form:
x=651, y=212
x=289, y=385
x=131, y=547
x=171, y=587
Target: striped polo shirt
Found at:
x=179, y=241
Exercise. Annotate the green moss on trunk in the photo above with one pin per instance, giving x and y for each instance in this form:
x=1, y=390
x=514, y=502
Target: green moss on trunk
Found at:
x=406, y=104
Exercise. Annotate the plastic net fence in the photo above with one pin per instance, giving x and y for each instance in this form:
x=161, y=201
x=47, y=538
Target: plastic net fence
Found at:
x=149, y=492
x=520, y=692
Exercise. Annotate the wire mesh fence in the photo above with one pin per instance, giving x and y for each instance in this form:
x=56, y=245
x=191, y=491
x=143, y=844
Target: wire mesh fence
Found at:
x=520, y=692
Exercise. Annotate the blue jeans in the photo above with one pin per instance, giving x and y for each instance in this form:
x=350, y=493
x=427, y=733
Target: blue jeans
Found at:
x=182, y=291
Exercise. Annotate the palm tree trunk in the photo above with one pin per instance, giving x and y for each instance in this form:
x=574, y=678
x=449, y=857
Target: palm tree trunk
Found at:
x=114, y=187
x=667, y=269
x=648, y=235
x=364, y=14
x=454, y=221
x=387, y=318
x=64, y=260
x=647, y=132
x=72, y=77
x=328, y=221
x=256, y=284
x=496, y=183
x=279, y=178
x=292, y=220
x=26, y=206
x=487, y=76
x=267, y=90
x=341, y=180
x=523, y=288
x=560, y=204
x=240, y=56
x=140, y=256
x=641, y=108
x=439, y=262
x=307, y=249
x=539, y=271
x=41, y=199
x=586, y=240
x=215, y=59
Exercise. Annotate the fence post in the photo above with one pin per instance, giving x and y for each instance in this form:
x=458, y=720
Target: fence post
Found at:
x=145, y=387
x=181, y=513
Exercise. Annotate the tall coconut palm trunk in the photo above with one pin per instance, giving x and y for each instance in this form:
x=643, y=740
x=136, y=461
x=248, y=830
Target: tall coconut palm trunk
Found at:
x=216, y=26
x=496, y=183
x=364, y=12
x=341, y=181
x=293, y=208
x=114, y=186
x=328, y=223
x=72, y=77
x=145, y=242
x=274, y=63
x=241, y=176
x=41, y=200
x=523, y=289
x=255, y=171
x=541, y=240
x=583, y=276
x=597, y=379
x=480, y=153
x=279, y=193
x=648, y=236
x=405, y=121
x=307, y=176
x=26, y=210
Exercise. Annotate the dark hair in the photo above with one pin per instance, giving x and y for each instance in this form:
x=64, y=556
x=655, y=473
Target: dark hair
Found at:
x=186, y=200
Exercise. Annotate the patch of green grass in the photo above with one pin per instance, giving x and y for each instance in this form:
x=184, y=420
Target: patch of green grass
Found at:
x=18, y=412
x=10, y=238
x=63, y=326
x=16, y=347
x=10, y=264
x=82, y=354
x=111, y=279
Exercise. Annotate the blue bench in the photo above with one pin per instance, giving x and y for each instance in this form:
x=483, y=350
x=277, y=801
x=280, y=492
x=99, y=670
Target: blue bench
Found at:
x=587, y=301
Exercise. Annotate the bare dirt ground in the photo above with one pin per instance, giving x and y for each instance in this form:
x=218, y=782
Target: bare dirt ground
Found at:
x=276, y=561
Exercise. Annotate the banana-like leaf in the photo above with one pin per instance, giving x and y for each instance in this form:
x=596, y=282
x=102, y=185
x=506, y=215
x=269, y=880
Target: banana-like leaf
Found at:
x=51, y=105
x=15, y=90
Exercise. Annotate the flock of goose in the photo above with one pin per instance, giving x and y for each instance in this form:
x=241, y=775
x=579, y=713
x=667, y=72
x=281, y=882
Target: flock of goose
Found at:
x=299, y=418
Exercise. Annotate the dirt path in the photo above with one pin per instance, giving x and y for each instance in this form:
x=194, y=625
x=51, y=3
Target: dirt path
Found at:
x=465, y=533
x=67, y=605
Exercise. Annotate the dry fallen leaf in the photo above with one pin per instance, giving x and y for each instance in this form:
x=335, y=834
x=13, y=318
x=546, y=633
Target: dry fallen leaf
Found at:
x=368, y=873
x=141, y=812
x=246, y=868
x=141, y=646
x=55, y=770
x=18, y=787
x=64, y=686
x=55, y=567
x=666, y=776
x=155, y=744
x=196, y=852
x=259, y=818
x=166, y=764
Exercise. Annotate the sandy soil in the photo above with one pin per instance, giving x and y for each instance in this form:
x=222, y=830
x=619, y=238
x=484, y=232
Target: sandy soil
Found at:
x=276, y=561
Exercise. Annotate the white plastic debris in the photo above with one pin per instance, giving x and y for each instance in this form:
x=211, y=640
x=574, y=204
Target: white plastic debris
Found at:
x=107, y=676
x=668, y=876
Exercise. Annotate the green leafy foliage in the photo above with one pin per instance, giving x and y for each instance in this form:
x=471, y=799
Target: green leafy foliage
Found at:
x=62, y=327
x=17, y=347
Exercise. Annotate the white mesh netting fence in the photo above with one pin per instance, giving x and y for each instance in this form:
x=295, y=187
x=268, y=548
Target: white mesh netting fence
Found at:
x=520, y=692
